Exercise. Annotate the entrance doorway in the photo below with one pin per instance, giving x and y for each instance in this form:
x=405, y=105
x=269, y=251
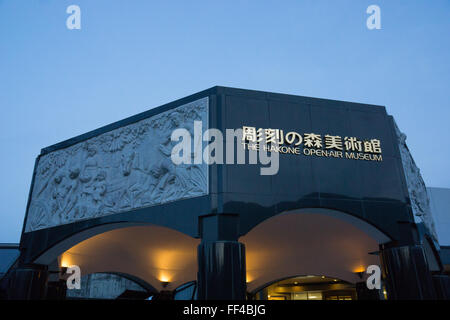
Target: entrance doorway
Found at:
x=317, y=254
x=309, y=287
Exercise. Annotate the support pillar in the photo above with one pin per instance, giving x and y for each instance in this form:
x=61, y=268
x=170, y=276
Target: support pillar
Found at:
x=442, y=286
x=364, y=293
x=221, y=273
x=406, y=273
x=221, y=259
x=164, y=295
x=28, y=283
x=56, y=290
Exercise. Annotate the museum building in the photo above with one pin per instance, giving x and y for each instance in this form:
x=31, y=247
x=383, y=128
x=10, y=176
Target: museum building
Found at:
x=340, y=193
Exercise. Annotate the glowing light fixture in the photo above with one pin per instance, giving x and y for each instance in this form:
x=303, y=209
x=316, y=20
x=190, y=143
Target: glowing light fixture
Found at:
x=65, y=261
x=164, y=279
x=359, y=271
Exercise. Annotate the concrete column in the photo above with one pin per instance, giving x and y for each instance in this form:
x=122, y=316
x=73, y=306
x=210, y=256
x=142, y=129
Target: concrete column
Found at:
x=406, y=273
x=56, y=290
x=221, y=259
x=164, y=295
x=441, y=284
x=221, y=270
x=363, y=293
x=28, y=283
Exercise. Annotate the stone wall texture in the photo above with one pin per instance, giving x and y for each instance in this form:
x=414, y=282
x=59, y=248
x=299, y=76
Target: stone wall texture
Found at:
x=420, y=201
x=120, y=170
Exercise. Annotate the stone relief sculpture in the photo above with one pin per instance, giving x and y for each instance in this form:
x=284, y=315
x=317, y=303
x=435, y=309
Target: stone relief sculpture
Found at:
x=124, y=169
x=420, y=202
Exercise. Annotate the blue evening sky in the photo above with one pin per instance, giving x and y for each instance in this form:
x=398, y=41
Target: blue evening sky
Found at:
x=130, y=56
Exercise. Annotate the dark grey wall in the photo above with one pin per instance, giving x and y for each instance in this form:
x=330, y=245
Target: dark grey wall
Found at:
x=373, y=191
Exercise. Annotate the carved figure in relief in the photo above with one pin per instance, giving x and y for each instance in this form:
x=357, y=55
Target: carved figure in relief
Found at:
x=90, y=163
x=133, y=189
x=123, y=169
x=420, y=202
x=64, y=194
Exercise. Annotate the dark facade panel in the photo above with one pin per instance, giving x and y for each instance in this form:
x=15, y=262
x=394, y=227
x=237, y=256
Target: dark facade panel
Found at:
x=371, y=190
x=353, y=186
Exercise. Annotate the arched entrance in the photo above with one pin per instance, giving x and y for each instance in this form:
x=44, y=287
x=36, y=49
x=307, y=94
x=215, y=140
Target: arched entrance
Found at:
x=109, y=286
x=160, y=257
x=315, y=246
x=308, y=287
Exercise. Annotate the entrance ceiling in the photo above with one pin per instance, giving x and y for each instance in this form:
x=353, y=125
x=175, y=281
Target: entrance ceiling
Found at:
x=152, y=253
x=306, y=244
x=283, y=246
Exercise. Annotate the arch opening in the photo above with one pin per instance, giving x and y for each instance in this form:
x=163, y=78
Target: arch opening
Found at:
x=107, y=286
x=312, y=243
x=307, y=287
x=161, y=257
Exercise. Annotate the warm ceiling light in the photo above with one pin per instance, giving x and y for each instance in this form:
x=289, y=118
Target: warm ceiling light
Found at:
x=65, y=262
x=323, y=277
x=295, y=282
x=165, y=276
x=359, y=269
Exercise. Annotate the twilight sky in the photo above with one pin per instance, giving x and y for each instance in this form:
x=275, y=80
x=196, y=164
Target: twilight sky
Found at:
x=131, y=56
